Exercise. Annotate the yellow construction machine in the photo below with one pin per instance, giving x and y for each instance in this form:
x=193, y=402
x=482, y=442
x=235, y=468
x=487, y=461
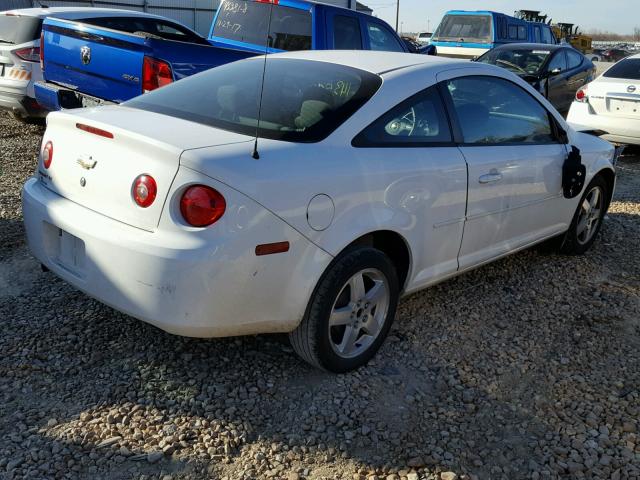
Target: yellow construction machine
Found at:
x=572, y=35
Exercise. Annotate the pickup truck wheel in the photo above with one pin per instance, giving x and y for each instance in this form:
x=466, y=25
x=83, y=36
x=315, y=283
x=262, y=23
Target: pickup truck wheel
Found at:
x=350, y=312
x=587, y=220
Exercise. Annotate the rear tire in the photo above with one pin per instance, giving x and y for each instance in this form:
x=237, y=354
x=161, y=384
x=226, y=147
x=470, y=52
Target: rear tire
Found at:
x=587, y=220
x=350, y=312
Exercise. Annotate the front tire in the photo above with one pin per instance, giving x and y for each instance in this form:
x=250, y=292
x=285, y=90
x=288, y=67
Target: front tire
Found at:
x=350, y=312
x=587, y=220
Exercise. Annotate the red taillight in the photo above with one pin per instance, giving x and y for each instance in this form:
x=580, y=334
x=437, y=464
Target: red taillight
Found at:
x=202, y=206
x=47, y=154
x=42, y=51
x=144, y=190
x=31, y=54
x=581, y=95
x=155, y=74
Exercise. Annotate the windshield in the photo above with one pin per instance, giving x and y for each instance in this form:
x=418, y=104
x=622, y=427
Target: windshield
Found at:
x=303, y=100
x=629, y=69
x=521, y=61
x=464, y=28
x=16, y=29
x=247, y=21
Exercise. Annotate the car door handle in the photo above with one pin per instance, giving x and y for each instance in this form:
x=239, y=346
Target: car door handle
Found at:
x=490, y=178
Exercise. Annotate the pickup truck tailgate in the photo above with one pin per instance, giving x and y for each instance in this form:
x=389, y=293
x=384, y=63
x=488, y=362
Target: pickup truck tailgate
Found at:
x=105, y=63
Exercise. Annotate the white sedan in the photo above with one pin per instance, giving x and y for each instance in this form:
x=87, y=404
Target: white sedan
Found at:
x=611, y=103
x=372, y=175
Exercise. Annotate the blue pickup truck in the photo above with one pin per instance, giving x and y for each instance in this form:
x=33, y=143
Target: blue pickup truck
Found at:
x=111, y=60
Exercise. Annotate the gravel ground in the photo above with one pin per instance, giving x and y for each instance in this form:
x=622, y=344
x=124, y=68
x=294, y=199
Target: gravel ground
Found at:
x=527, y=368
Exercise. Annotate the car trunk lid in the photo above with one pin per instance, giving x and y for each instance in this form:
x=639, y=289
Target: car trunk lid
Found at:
x=98, y=153
x=616, y=97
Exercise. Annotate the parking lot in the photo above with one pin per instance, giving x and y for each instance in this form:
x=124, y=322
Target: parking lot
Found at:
x=526, y=368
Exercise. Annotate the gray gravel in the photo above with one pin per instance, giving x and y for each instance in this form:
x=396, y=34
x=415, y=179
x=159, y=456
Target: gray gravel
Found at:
x=527, y=368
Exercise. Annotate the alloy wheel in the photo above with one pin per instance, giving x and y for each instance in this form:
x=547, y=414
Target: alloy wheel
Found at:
x=359, y=312
x=589, y=216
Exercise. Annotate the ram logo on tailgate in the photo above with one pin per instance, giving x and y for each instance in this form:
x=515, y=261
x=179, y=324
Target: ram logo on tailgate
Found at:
x=85, y=55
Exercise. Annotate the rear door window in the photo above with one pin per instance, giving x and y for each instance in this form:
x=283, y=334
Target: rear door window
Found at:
x=574, y=59
x=629, y=69
x=290, y=29
x=346, y=33
x=537, y=35
x=522, y=32
x=558, y=62
x=17, y=29
x=416, y=122
x=381, y=38
x=248, y=22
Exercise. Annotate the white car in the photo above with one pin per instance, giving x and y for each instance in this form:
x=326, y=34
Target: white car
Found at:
x=372, y=175
x=611, y=103
x=424, y=38
x=20, y=52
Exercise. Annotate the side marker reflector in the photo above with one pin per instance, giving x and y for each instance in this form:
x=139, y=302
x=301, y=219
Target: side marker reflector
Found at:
x=271, y=248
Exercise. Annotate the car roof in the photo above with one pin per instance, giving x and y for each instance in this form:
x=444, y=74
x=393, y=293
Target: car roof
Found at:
x=533, y=46
x=74, y=13
x=372, y=61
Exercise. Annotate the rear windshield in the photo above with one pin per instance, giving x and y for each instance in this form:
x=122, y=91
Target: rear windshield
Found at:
x=302, y=101
x=15, y=30
x=629, y=68
x=248, y=21
x=464, y=28
x=521, y=61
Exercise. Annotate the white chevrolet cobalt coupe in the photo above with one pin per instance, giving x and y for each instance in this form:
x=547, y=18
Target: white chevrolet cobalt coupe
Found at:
x=372, y=175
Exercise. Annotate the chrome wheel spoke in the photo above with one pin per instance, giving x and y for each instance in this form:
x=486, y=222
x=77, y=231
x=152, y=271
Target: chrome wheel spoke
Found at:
x=586, y=206
x=373, y=325
x=348, y=344
x=376, y=293
x=341, y=316
x=582, y=225
x=356, y=285
x=595, y=198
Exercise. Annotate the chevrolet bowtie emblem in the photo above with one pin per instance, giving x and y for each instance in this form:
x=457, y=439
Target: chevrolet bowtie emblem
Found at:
x=87, y=164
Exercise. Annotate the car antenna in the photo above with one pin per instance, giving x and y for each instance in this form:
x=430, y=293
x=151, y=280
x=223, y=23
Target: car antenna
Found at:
x=255, y=153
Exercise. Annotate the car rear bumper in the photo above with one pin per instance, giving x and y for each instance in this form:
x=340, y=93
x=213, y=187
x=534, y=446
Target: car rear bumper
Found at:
x=54, y=97
x=619, y=130
x=174, y=281
x=20, y=104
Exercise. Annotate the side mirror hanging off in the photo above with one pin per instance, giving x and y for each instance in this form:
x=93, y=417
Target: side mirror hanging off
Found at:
x=573, y=174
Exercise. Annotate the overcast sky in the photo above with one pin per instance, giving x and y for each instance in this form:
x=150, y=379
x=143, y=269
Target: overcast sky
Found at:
x=619, y=16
